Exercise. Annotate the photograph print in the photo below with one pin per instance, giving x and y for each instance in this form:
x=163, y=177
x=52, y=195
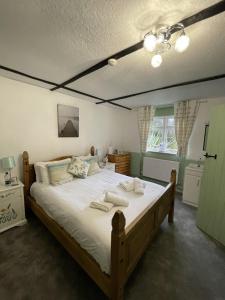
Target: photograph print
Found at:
x=68, y=121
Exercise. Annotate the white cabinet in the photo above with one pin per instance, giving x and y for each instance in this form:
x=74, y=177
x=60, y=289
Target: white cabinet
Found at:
x=192, y=182
x=12, y=211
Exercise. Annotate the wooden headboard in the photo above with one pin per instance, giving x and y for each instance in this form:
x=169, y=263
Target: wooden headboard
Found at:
x=29, y=174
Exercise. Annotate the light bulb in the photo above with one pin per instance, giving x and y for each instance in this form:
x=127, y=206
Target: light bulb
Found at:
x=150, y=41
x=156, y=60
x=182, y=43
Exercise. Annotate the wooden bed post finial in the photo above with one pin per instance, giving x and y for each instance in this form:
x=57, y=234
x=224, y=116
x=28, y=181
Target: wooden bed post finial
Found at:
x=173, y=178
x=26, y=174
x=118, y=222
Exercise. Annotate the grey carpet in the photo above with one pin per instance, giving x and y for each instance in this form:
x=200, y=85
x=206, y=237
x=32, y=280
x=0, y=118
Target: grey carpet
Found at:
x=182, y=263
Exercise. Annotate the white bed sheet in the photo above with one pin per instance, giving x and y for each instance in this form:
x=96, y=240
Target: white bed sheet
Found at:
x=68, y=205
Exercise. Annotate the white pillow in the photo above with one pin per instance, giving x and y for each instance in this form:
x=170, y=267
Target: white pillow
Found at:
x=93, y=168
x=42, y=169
x=37, y=173
x=82, y=157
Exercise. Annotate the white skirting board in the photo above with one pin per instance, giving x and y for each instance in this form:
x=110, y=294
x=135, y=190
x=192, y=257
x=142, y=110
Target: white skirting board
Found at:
x=159, y=169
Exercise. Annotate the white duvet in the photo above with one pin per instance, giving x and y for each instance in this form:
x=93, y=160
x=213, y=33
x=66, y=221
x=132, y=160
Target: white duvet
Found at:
x=68, y=205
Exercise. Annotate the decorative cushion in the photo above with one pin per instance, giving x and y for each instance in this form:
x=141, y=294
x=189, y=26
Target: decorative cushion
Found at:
x=42, y=171
x=93, y=164
x=58, y=173
x=78, y=168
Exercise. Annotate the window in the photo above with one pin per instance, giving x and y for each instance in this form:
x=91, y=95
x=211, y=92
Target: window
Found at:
x=162, y=135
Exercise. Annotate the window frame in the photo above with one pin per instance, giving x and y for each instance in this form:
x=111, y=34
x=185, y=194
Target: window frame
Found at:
x=164, y=128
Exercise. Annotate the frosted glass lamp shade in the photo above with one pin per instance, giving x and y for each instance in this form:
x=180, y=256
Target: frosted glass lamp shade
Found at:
x=182, y=43
x=156, y=60
x=150, y=42
x=8, y=163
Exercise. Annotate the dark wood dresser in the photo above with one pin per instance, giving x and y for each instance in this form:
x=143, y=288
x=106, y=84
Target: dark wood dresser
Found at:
x=122, y=162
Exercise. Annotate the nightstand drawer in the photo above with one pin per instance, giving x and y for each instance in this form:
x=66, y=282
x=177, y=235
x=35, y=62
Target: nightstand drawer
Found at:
x=10, y=211
x=122, y=162
x=10, y=195
x=122, y=169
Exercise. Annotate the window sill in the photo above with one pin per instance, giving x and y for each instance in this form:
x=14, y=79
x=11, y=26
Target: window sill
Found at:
x=162, y=152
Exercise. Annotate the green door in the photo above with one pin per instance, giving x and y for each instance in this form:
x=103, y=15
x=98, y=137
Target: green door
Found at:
x=211, y=212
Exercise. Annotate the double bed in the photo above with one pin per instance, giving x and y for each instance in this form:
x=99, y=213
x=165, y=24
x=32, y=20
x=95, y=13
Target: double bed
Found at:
x=106, y=245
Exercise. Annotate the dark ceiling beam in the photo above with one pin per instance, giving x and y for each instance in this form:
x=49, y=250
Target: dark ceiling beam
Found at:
x=55, y=84
x=101, y=64
x=202, y=15
x=26, y=75
x=200, y=80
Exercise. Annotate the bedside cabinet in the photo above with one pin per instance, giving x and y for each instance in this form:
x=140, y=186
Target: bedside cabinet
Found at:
x=12, y=211
x=122, y=162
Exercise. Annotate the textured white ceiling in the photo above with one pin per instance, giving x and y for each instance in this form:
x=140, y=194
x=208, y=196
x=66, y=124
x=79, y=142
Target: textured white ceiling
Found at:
x=203, y=58
x=210, y=89
x=57, y=39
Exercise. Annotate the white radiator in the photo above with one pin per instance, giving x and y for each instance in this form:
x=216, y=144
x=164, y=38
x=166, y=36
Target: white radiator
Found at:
x=159, y=168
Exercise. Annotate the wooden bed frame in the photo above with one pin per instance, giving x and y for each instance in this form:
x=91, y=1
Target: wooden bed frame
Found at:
x=127, y=244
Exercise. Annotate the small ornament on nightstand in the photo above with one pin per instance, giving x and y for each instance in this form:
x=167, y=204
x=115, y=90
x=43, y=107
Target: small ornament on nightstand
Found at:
x=92, y=150
x=7, y=178
x=105, y=159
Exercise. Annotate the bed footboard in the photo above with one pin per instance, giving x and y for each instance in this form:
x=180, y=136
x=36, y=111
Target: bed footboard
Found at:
x=128, y=245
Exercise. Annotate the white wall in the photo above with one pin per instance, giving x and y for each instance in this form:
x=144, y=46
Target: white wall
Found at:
x=196, y=139
x=28, y=121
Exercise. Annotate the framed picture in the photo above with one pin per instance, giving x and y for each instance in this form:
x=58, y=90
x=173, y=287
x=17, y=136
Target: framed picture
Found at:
x=68, y=121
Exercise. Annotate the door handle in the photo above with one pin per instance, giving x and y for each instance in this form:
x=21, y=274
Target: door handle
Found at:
x=210, y=156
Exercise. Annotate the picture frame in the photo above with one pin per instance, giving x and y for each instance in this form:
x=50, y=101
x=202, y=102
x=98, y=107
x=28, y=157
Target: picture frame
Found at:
x=68, y=121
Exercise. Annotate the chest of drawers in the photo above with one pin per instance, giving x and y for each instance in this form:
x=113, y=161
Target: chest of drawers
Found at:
x=12, y=211
x=122, y=162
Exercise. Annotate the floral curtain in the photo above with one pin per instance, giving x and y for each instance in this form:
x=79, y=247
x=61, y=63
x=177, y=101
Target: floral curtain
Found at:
x=185, y=113
x=145, y=117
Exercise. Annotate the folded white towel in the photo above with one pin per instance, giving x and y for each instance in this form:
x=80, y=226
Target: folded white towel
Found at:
x=102, y=205
x=116, y=199
x=139, y=186
x=127, y=185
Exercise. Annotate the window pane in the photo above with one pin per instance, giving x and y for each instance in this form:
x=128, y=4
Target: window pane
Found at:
x=162, y=135
x=171, y=143
x=157, y=122
x=156, y=138
x=170, y=121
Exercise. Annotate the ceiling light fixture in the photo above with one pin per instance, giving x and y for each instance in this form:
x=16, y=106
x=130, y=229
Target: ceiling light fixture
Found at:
x=150, y=41
x=161, y=40
x=156, y=60
x=182, y=43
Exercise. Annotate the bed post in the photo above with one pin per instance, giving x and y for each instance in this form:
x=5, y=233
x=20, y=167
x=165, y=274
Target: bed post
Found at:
x=26, y=174
x=118, y=256
x=173, y=181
